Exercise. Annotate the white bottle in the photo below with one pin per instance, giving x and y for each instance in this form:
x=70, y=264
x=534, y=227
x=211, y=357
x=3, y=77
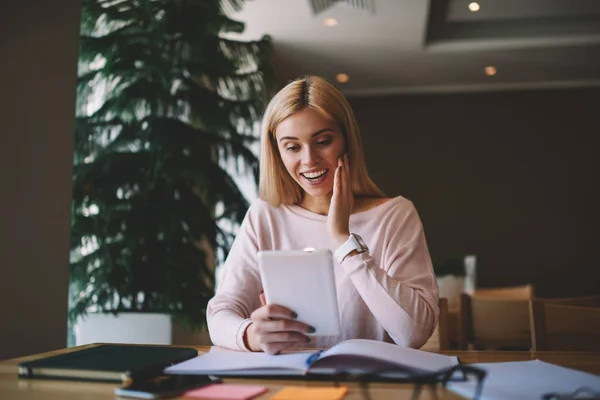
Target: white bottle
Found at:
x=470, y=274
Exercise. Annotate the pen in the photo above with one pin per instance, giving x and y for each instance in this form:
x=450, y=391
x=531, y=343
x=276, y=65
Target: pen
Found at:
x=313, y=357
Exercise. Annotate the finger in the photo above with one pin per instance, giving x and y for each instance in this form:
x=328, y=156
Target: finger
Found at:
x=283, y=325
x=283, y=337
x=341, y=169
x=263, y=300
x=337, y=181
x=273, y=311
x=348, y=182
x=276, y=348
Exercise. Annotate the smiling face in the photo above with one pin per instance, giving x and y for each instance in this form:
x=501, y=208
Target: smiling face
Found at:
x=310, y=146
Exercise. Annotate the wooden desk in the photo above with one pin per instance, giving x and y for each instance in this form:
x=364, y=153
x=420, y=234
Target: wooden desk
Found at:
x=14, y=388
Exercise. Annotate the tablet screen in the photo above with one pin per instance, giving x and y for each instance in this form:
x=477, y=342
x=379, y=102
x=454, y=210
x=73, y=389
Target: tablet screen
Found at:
x=304, y=282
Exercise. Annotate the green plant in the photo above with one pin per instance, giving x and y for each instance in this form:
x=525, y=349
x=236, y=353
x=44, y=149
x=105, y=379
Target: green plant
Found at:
x=164, y=102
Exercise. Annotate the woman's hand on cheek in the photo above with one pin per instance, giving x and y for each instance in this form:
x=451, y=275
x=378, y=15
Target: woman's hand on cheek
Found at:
x=342, y=202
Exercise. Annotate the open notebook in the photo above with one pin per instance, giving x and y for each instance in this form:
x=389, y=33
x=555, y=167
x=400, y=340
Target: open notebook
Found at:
x=356, y=356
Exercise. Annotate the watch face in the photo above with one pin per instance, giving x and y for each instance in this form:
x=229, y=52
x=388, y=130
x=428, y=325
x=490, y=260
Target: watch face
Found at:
x=361, y=242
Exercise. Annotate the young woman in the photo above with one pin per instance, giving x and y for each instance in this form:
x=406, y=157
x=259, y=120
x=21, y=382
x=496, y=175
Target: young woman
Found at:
x=315, y=192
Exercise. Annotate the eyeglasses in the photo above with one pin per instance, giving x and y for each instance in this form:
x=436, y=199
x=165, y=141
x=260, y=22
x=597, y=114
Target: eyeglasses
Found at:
x=580, y=394
x=430, y=380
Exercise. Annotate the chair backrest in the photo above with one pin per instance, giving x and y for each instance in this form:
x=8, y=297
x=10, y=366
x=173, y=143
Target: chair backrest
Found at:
x=444, y=325
x=492, y=323
x=587, y=301
x=564, y=327
x=440, y=339
x=524, y=292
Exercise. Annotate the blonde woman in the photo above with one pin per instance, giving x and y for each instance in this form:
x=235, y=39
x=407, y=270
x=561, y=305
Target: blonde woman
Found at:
x=315, y=192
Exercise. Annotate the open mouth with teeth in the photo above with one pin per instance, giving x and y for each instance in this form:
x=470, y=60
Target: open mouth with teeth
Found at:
x=315, y=176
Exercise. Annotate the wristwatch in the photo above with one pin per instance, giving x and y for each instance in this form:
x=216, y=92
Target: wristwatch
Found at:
x=354, y=242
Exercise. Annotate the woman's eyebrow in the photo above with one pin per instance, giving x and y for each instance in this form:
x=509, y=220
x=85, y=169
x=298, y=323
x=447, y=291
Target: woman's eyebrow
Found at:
x=317, y=133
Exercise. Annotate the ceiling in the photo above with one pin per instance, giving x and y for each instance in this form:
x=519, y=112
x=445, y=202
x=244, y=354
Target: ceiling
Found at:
x=420, y=46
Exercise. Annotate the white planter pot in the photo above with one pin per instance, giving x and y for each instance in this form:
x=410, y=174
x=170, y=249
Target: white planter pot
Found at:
x=140, y=328
x=451, y=287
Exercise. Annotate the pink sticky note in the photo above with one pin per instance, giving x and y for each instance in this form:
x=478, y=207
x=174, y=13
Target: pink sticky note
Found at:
x=221, y=391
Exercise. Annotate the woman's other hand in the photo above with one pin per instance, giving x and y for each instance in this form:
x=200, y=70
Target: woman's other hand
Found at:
x=342, y=201
x=274, y=328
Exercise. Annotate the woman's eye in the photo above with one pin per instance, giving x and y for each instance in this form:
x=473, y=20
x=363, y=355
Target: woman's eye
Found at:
x=292, y=148
x=324, y=142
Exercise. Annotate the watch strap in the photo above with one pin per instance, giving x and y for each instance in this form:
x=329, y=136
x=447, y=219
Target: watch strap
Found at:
x=349, y=246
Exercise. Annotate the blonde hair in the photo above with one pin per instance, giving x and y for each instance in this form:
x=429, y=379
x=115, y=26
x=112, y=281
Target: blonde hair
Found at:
x=276, y=186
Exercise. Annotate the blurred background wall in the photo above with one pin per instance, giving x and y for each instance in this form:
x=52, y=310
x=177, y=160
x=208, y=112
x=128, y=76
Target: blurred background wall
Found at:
x=508, y=176
x=38, y=47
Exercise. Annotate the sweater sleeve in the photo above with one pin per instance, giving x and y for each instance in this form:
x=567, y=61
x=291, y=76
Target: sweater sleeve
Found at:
x=237, y=295
x=401, y=293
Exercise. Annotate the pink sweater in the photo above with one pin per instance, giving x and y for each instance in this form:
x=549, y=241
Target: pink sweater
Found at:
x=388, y=294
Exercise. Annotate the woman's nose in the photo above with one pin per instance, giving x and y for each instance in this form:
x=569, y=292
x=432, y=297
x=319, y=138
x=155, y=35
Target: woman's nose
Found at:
x=309, y=155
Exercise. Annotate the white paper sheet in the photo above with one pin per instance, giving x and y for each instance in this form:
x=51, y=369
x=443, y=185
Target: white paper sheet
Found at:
x=411, y=358
x=223, y=361
x=527, y=380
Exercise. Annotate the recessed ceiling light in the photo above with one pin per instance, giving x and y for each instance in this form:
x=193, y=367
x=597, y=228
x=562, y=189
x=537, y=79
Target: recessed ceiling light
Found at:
x=474, y=6
x=490, y=70
x=330, y=22
x=342, y=78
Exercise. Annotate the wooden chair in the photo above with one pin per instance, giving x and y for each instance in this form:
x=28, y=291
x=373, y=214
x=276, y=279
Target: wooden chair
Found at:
x=564, y=327
x=444, y=325
x=492, y=323
x=525, y=292
x=586, y=301
x=440, y=339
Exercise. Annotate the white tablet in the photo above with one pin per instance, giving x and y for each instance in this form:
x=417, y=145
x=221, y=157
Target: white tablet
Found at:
x=304, y=282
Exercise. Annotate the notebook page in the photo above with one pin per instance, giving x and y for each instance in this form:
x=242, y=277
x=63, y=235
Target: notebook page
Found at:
x=390, y=353
x=242, y=363
x=526, y=380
